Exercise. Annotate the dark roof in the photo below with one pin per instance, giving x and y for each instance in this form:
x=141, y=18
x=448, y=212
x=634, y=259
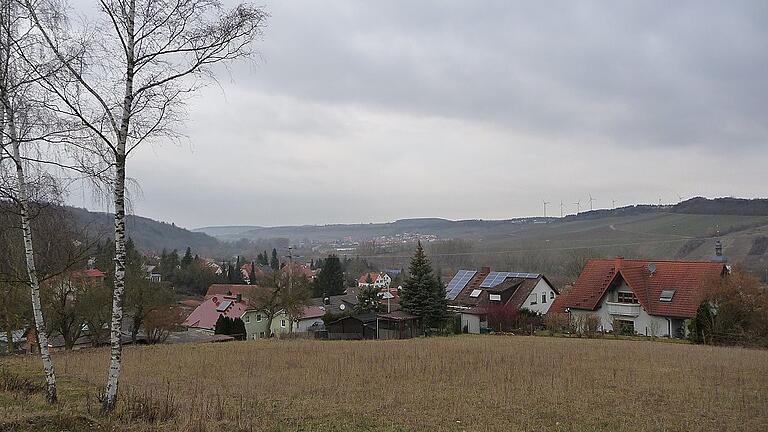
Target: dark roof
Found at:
x=687, y=278
x=348, y=300
x=233, y=289
x=398, y=315
x=363, y=318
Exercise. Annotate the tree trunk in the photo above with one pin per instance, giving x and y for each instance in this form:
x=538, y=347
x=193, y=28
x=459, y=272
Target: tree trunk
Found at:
x=115, y=363
x=34, y=286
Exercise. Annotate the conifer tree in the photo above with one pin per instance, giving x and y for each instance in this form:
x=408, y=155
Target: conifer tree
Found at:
x=422, y=294
x=330, y=280
x=275, y=262
x=187, y=259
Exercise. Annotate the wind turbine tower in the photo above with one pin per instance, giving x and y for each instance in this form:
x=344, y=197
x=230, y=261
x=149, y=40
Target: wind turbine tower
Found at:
x=545, y=207
x=561, y=208
x=578, y=206
x=591, y=200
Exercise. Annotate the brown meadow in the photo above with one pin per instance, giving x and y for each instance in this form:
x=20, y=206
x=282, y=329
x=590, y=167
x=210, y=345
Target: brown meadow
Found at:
x=463, y=383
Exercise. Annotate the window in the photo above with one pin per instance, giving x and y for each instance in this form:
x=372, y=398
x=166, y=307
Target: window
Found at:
x=543, y=297
x=475, y=293
x=258, y=317
x=533, y=300
x=247, y=319
x=261, y=335
x=626, y=297
x=551, y=295
x=282, y=323
x=666, y=296
x=495, y=297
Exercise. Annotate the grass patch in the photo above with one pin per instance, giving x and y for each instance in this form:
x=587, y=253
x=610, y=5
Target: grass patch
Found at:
x=461, y=383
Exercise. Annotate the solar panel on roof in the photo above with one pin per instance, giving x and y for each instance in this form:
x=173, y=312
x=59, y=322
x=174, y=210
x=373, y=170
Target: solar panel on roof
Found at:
x=223, y=306
x=495, y=278
x=458, y=283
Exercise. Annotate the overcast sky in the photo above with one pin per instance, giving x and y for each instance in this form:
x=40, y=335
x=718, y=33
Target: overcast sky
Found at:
x=374, y=111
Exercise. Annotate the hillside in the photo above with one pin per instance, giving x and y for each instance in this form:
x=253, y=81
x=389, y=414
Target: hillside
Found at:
x=148, y=234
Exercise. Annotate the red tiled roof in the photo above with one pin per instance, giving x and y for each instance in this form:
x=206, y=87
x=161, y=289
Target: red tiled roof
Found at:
x=558, y=305
x=205, y=315
x=687, y=278
x=364, y=278
x=233, y=289
x=312, y=312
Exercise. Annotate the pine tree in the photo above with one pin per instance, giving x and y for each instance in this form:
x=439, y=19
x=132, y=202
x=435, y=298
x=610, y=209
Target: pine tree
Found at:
x=252, y=276
x=275, y=262
x=422, y=294
x=330, y=280
x=187, y=260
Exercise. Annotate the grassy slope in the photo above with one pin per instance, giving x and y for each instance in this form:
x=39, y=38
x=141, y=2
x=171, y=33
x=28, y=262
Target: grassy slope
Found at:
x=472, y=383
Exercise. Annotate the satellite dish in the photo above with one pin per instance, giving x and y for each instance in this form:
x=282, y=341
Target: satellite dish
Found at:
x=342, y=306
x=652, y=268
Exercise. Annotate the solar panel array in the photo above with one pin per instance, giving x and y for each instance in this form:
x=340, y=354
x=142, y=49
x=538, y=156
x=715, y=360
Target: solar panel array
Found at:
x=495, y=278
x=458, y=283
x=223, y=306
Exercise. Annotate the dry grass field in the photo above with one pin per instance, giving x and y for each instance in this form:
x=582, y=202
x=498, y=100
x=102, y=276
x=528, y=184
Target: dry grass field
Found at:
x=465, y=383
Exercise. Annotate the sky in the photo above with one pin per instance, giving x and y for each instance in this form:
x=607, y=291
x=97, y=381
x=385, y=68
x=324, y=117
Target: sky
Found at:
x=370, y=111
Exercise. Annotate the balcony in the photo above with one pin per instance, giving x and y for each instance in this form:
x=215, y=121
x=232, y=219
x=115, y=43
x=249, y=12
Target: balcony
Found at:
x=623, y=309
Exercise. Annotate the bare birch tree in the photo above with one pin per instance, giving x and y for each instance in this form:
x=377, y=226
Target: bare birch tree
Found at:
x=139, y=64
x=15, y=83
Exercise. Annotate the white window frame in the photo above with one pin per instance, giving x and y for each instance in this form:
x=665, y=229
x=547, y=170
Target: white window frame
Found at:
x=494, y=297
x=258, y=317
x=475, y=293
x=282, y=323
x=247, y=319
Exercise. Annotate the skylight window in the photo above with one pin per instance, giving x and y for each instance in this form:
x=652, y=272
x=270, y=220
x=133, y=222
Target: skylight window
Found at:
x=666, y=296
x=495, y=297
x=475, y=293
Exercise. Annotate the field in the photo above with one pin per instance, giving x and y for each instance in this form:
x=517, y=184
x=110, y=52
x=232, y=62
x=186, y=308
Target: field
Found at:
x=462, y=383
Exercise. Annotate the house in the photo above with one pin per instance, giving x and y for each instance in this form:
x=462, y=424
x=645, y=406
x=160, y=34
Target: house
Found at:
x=473, y=294
x=257, y=327
x=153, y=274
x=648, y=297
x=247, y=291
x=336, y=305
x=204, y=317
x=259, y=270
x=378, y=280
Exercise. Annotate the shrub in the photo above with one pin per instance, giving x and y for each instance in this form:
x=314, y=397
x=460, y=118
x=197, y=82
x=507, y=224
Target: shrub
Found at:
x=557, y=323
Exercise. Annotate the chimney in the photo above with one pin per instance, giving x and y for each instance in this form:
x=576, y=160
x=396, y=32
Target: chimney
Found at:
x=618, y=262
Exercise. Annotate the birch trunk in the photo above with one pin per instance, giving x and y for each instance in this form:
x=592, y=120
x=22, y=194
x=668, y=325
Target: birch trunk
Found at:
x=115, y=362
x=34, y=285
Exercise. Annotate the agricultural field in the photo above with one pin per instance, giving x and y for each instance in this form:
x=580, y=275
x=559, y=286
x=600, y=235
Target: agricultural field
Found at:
x=460, y=383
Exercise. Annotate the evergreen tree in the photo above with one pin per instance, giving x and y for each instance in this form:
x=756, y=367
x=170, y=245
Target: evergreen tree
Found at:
x=238, y=329
x=264, y=259
x=187, y=260
x=423, y=295
x=330, y=280
x=222, y=325
x=368, y=300
x=252, y=276
x=275, y=262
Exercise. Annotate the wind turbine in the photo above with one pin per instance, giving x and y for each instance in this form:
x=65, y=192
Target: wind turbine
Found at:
x=561, y=208
x=591, y=200
x=578, y=206
x=613, y=203
x=545, y=207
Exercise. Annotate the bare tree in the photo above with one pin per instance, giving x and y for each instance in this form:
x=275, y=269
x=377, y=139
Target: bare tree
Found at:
x=16, y=123
x=139, y=65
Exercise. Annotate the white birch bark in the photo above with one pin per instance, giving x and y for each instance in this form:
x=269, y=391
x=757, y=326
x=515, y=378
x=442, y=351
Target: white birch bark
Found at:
x=118, y=295
x=34, y=285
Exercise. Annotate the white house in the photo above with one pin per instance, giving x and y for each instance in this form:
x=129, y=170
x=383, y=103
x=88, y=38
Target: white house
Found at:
x=378, y=280
x=473, y=293
x=654, y=298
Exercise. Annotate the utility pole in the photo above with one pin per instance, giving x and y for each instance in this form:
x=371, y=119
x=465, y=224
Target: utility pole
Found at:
x=290, y=271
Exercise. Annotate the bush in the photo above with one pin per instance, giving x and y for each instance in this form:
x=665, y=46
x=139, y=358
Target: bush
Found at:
x=557, y=323
x=586, y=324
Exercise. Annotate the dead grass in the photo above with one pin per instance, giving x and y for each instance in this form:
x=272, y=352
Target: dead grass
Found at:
x=472, y=383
